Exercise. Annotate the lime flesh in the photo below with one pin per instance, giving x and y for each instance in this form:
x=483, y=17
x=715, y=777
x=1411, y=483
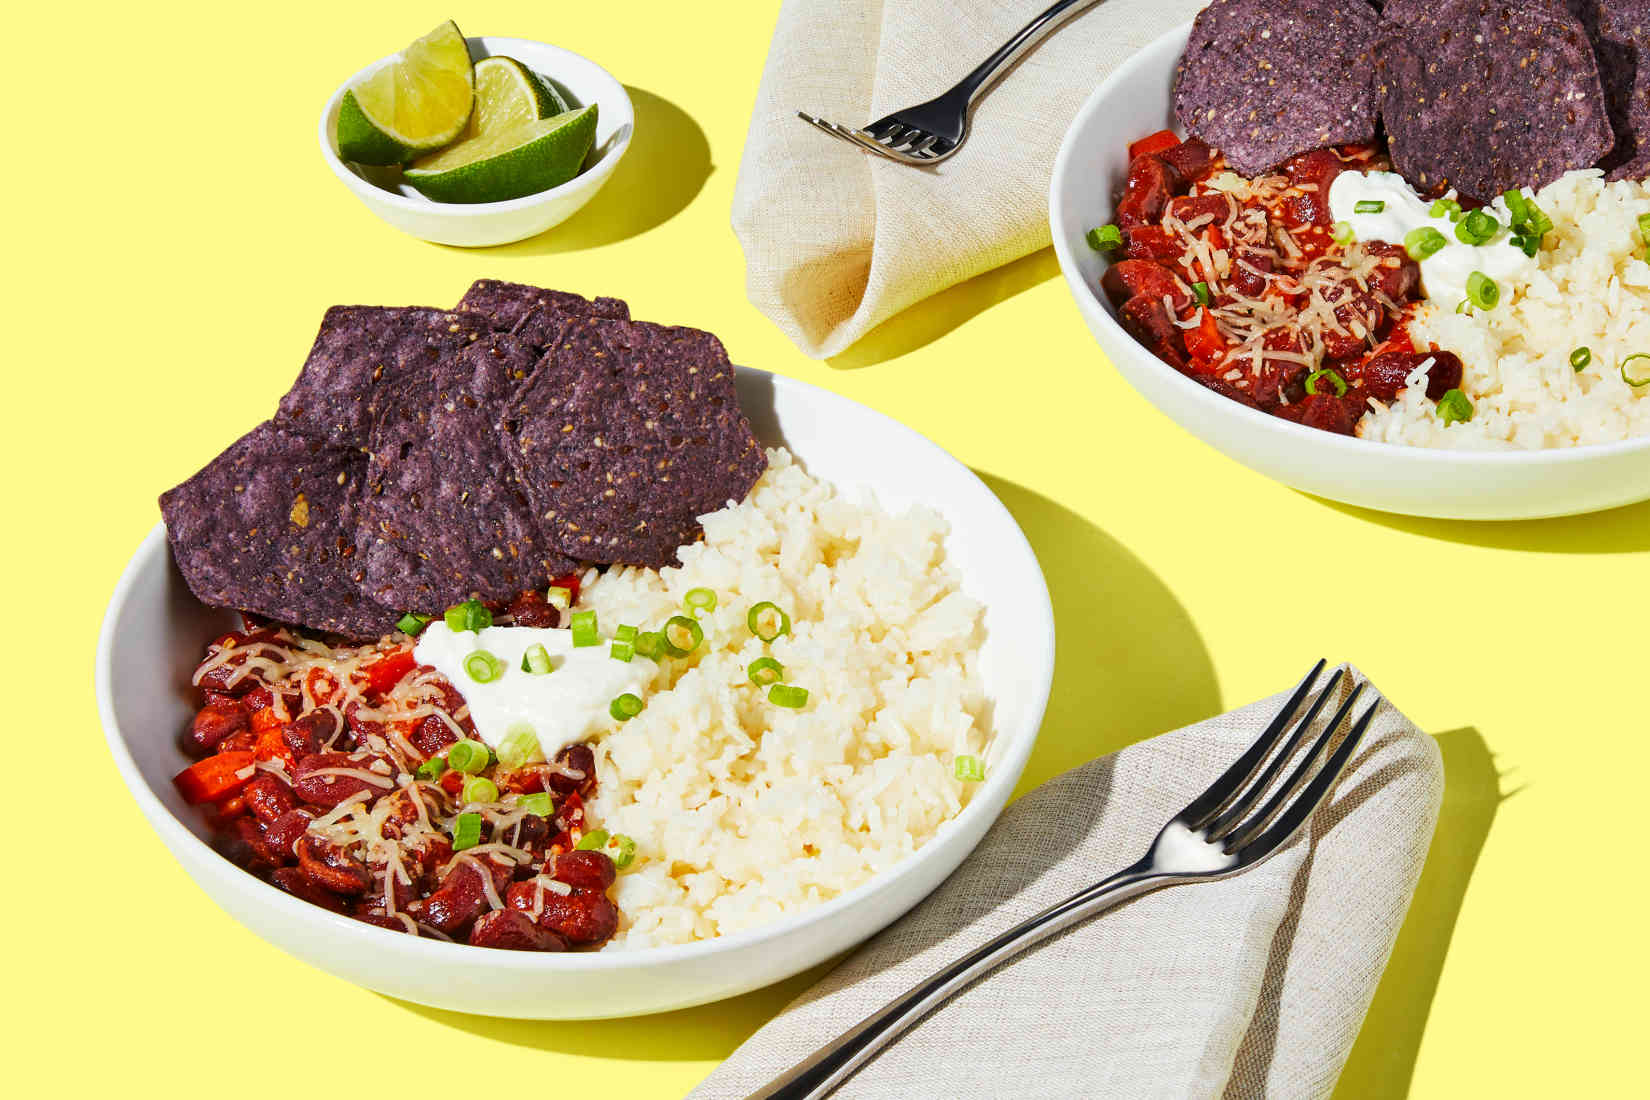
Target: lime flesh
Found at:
x=418, y=103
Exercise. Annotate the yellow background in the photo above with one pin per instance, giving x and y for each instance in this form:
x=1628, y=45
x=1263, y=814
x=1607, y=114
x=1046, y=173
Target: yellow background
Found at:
x=172, y=237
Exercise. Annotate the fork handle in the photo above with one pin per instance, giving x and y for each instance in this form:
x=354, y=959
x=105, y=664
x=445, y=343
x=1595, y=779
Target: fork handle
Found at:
x=1011, y=51
x=821, y=1072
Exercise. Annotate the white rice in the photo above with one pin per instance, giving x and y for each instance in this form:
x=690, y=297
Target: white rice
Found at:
x=1592, y=290
x=743, y=811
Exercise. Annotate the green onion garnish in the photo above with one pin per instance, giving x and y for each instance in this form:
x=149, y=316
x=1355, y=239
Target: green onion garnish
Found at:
x=1344, y=233
x=1517, y=205
x=1368, y=206
x=411, y=623
x=1638, y=376
x=764, y=671
x=584, y=629
x=520, y=744
x=1334, y=377
x=625, y=634
x=1423, y=242
x=538, y=804
x=969, y=769
x=1579, y=359
x=625, y=707
x=627, y=851
x=1476, y=228
x=469, y=615
x=483, y=667
x=1445, y=208
x=1200, y=291
x=1482, y=291
x=432, y=768
x=786, y=695
x=592, y=841
x=699, y=599
x=1461, y=306
x=468, y=756
x=1104, y=238
x=1454, y=408
x=466, y=831
x=622, y=651
x=478, y=788
x=650, y=644
x=559, y=598
x=767, y=622
x=1527, y=244
x=682, y=635
x=535, y=660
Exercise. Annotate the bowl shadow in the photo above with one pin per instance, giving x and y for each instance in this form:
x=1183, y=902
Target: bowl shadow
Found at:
x=1615, y=531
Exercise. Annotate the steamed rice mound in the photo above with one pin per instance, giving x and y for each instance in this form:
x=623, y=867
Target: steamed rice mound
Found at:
x=743, y=811
x=1592, y=290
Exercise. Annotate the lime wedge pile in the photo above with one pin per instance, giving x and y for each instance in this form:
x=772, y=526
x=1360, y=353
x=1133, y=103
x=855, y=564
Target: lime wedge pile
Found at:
x=416, y=104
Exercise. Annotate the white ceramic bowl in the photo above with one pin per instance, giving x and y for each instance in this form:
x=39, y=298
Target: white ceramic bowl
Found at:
x=1135, y=101
x=474, y=225
x=154, y=632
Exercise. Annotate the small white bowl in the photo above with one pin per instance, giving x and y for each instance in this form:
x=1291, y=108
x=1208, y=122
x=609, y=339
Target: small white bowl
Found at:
x=477, y=225
x=155, y=631
x=1135, y=101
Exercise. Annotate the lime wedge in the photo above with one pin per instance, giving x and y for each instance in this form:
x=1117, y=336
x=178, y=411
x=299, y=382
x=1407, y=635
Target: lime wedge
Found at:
x=418, y=103
x=508, y=95
x=494, y=165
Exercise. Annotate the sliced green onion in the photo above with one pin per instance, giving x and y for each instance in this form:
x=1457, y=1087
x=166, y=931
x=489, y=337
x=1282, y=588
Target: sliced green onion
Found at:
x=699, y=599
x=1423, y=242
x=584, y=629
x=625, y=707
x=1454, y=408
x=432, y=768
x=539, y=804
x=1539, y=222
x=1442, y=208
x=466, y=831
x=1518, y=206
x=682, y=635
x=559, y=598
x=1527, y=244
x=1482, y=291
x=622, y=651
x=1461, y=306
x=767, y=622
x=483, y=667
x=412, y=622
x=969, y=769
x=1579, y=359
x=1334, y=377
x=1644, y=228
x=625, y=634
x=468, y=756
x=1200, y=291
x=627, y=851
x=787, y=695
x=1344, y=233
x=764, y=671
x=1476, y=228
x=592, y=841
x=535, y=660
x=1638, y=376
x=478, y=788
x=1368, y=206
x=519, y=745
x=469, y=615
x=650, y=644
x=1106, y=237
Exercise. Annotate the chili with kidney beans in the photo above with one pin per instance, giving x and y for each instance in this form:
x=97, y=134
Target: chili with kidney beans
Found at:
x=349, y=776
x=1245, y=286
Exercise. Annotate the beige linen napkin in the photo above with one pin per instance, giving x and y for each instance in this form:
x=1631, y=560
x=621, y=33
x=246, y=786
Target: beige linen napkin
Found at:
x=1255, y=986
x=837, y=241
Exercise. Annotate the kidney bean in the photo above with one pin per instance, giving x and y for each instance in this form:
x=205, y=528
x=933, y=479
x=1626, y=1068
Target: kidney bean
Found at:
x=1247, y=281
x=532, y=609
x=263, y=853
x=1146, y=191
x=1326, y=412
x=311, y=731
x=1187, y=161
x=590, y=870
x=579, y=758
x=368, y=914
x=433, y=736
x=1151, y=242
x=1147, y=321
x=268, y=798
x=331, y=867
x=296, y=883
x=1399, y=276
x=283, y=833
x=458, y=901
x=1127, y=278
x=239, y=741
x=1385, y=374
x=511, y=930
x=215, y=722
x=319, y=789
x=582, y=917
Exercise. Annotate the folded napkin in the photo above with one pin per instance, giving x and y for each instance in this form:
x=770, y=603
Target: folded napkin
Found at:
x=836, y=240
x=1254, y=986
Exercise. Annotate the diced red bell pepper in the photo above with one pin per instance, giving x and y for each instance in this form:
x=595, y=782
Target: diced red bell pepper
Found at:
x=569, y=581
x=322, y=685
x=452, y=781
x=1153, y=143
x=1204, y=343
x=216, y=778
x=385, y=673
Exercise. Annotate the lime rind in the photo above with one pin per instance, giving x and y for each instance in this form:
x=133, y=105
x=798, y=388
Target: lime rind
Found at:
x=550, y=152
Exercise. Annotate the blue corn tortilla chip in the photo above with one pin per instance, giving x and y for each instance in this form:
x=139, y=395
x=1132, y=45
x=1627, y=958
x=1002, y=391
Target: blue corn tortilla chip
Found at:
x=532, y=313
x=626, y=434
x=359, y=350
x=1263, y=80
x=269, y=527
x=1620, y=34
x=1486, y=95
x=443, y=518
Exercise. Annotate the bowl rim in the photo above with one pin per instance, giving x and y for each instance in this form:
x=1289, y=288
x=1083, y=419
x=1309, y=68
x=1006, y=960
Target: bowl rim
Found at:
x=1150, y=60
x=612, y=92
x=1014, y=754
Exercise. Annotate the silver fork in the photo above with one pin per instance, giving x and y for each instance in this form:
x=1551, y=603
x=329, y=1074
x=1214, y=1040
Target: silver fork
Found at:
x=932, y=131
x=1218, y=834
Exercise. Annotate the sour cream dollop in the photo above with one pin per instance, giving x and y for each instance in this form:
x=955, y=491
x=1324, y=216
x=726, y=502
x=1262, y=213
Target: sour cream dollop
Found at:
x=1444, y=274
x=567, y=704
